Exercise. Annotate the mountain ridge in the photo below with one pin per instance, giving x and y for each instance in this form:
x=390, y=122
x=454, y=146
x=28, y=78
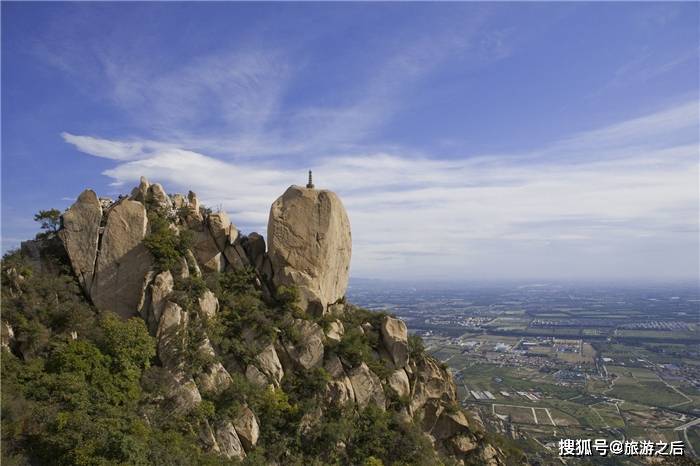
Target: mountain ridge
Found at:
x=249, y=336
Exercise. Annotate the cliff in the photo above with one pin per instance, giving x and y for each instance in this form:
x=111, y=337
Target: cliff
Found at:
x=257, y=353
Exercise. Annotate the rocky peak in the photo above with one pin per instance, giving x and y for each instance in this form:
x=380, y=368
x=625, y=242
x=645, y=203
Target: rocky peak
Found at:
x=358, y=364
x=310, y=245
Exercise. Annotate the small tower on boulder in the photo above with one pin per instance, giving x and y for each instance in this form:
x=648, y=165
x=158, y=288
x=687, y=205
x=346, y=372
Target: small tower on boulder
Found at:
x=310, y=184
x=309, y=246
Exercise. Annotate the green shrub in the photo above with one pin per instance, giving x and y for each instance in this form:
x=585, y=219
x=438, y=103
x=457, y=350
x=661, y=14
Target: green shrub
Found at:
x=164, y=243
x=288, y=299
x=353, y=347
x=50, y=221
x=416, y=348
x=384, y=436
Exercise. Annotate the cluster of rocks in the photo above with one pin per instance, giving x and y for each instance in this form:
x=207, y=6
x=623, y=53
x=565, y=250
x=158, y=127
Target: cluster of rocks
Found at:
x=309, y=247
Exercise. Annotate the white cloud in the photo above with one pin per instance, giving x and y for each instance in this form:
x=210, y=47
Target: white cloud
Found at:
x=628, y=206
x=115, y=150
x=235, y=101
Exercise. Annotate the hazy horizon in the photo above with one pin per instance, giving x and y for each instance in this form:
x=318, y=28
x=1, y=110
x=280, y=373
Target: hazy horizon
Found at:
x=468, y=141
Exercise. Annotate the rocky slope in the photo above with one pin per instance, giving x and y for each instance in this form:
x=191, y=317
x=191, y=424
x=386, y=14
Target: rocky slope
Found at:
x=230, y=313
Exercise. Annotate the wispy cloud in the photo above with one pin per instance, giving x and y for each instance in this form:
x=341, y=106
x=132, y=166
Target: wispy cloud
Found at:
x=115, y=150
x=633, y=186
x=234, y=102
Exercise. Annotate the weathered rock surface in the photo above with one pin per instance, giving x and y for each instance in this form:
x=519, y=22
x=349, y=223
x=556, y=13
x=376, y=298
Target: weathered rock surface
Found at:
x=140, y=192
x=310, y=245
x=395, y=339
x=179, y=201
x=270, y=365
x=171, y=335
x=208, y=304
x=229, y=442
x=184, y=394
x=450, y=424
x=398, y=380
x=214, y=380
x=160, y=289
x=223, y=232
x=123, y=260
x=309, y=242
x=254, y=246
x=247, y=428
x=339, y=390
x=307, y=352
x=431, y=413
x=431, y=382
x=80, y=236
x=195, y=216
x=7, y=334
x=335, y=331
x=463, y=444
x=157, y=197
x=255, y=376
x=367, y=387
x=207, y=252
x=236, y=256
x=206, y=436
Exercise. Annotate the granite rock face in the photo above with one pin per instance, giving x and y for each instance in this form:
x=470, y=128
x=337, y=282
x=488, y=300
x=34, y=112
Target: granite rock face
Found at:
x=270, y=365
x=309, y=245
x=367, y=387
x=80, y=235
x=123, y=260
x=398, y=381
x=247, y=428
x=155, y=299
x=214, y=380
x=395, y=339
x=228, y=441
x=307, y=352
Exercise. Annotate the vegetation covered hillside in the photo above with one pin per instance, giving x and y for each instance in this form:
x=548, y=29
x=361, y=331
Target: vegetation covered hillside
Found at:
x=213, y=366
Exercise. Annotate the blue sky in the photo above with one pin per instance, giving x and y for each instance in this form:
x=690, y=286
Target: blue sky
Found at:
x=467, y=140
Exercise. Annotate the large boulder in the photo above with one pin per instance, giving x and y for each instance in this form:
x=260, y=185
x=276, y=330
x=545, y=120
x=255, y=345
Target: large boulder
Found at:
x=236, y=256
x=123, y=260
x=214, y=380
x=432, y=382
x=450, y=424
x=254, y=246
x=229, y=443
x=206, y=251
x=463, y=444
x=339, y=390
x=184, y=394
x=490, y=456
x=140, y=192
x=270, y=365
x=222, y=230
x=335, y=331
x=367, y=387
x=307, y=351
x=309, y=245
x=398, y=381
x=171, y=335
x=80, y=235
x=255, y=376
x=157, y=197
x=395, y=339
x=247, y=428
x=206, y=437
x=159, y=290
x=208, y=304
